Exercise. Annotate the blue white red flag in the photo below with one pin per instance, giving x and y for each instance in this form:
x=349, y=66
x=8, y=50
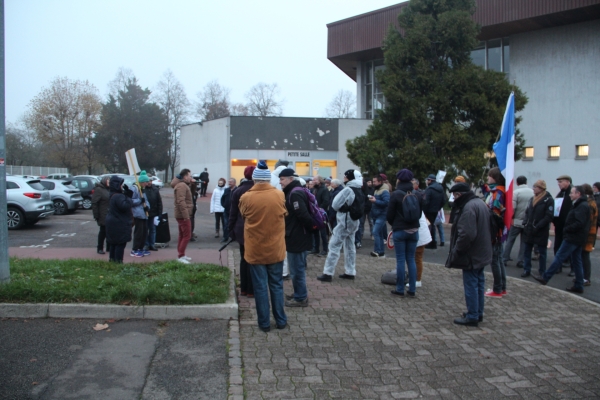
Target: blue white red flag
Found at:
x=505, y=155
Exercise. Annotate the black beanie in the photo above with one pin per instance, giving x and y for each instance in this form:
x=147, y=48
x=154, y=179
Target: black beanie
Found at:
x=349, y=174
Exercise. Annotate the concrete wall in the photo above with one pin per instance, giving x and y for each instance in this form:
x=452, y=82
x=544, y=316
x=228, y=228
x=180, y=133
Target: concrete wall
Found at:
x=558, y=68
x=349, y=129
x=206, y=146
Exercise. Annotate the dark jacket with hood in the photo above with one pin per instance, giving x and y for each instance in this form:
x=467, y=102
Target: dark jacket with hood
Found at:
x=322, y=195
x=155, y=202
x=435, y=198
x=577, y=224
x=236, y=221
x=100, y=200
x=331, y=213
x=537, y=219
x=394, y=211
x=298, y=221
x=120, y=217
x=567, y=204
x=470, y=239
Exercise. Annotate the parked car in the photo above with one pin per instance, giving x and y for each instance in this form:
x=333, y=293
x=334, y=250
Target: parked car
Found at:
x=65, y=196
x=157, y=182
x=58, y=176
x=27, y=202
x=85, y=183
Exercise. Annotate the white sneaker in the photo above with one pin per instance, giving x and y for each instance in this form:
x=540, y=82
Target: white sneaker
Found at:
x=418, y=284
x=183, y=260
x=187, y=258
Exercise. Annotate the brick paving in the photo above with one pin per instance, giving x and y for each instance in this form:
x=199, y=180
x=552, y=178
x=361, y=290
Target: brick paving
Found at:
x=357, y=341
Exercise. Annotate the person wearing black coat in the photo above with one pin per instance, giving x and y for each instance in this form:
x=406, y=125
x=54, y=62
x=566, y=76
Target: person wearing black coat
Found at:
x=155, y=210
x=236, y=231
x=322, y=195
x=564, y=183
x=203, y=182
x=367, y=191
x=435, y=198
x=298, y=235
x=575, y=234
x=100, y=200
x=536, y=227
x=119, y=219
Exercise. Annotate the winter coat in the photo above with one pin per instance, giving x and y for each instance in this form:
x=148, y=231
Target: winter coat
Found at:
x=496, y=201
x=263, y=210
x=154, y=202
x=344, y=224
x=331, y=212
x=182, y=196
x=298, y=222
x=226, y=199
x=119, y=219
x=394, y=211
x=139, y=205
x=597, y=199
x=215, y=200
x=275, y=177
x=591, y=239
x=537, y=221
x=236, y=222
x=382, y=201
x=323, y=196
x=567, y=204
x=470, y=241
x=577, y=224
x=424, y=232
x=368, y=191
x=100, y=201
x=435, y=198
x=204, y=177
x=521, y=196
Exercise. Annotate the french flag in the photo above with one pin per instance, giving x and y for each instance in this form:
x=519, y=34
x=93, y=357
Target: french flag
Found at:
x=505, y=155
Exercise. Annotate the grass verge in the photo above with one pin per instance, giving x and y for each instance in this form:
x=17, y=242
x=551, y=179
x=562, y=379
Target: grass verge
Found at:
x=102, y=282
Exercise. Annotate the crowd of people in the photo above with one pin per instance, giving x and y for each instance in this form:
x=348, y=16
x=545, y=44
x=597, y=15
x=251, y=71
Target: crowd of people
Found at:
x=278, y=219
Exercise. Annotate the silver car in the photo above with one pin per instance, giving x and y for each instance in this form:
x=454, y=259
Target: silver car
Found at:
x=66, y=197
x=27, y=201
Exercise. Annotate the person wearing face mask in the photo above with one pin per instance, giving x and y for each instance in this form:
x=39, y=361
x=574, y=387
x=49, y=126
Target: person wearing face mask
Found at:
x=496, y=200
x=216, y=207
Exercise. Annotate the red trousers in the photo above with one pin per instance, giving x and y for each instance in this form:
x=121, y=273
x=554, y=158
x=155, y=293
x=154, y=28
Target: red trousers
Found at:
x=185, y=234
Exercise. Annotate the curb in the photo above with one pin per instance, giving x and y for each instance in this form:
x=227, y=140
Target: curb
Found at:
x=224, y=311
x=235, y=389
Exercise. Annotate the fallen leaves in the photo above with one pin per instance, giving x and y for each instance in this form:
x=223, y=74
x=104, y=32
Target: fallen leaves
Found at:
x=100, y=327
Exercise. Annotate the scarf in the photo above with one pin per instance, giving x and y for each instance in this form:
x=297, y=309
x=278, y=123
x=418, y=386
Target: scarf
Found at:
x=538, y=197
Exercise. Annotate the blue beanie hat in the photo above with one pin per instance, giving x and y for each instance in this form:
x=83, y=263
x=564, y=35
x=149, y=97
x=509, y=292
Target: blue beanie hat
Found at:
x=143, y=177
x=261, y=173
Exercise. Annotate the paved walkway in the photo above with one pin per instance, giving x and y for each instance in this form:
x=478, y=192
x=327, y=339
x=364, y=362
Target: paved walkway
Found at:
x=357, y=341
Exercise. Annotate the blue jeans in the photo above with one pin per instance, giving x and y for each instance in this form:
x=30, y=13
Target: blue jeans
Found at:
x=528, y=248
x=361, y=230
x=440, y=228
x=565, y=251
x=297, y=265
x=498, y=268
x=151, y=238
x=268, y=279
x=379, y=234
x=474, y=284
x=319, y=237
x=405, y=245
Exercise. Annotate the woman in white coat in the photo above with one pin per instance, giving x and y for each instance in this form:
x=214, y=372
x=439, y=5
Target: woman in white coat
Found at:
x=424, y=239
x=216, y=207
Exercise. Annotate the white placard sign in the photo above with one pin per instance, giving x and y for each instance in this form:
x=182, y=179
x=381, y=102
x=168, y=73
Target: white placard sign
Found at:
x=439, y=178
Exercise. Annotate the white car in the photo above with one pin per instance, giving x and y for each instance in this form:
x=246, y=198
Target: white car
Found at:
x=157, y=182
x=27, y=202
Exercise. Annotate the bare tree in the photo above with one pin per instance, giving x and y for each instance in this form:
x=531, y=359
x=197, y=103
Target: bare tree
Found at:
x=170, y=95
x=120, y=81
x=213, y=102
x=240, y=110
x=343, y=105
x=263, y=100
x=64, y=118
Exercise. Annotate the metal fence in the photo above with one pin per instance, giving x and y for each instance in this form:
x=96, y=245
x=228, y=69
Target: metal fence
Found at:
x=36, y=171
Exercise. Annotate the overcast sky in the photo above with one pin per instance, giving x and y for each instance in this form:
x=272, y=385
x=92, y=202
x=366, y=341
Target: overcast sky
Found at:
x=239, y=43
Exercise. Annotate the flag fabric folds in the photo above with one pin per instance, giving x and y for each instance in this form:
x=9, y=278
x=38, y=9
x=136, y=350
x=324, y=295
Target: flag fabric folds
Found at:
x=505, y=155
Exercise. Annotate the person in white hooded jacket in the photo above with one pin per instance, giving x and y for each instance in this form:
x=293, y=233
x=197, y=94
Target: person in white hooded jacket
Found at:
x=216, y=207
x=343, y=233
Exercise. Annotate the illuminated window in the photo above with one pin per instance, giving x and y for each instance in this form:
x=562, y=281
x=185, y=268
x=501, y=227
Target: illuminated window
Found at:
x=553, y=152
x=582, y=151
x=528, y=153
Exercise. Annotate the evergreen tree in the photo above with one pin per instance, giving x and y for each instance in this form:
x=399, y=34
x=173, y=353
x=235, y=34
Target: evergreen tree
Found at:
x=442, y=111
x=131, y=121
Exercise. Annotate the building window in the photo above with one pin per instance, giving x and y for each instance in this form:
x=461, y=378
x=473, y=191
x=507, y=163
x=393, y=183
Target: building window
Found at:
x=582, y=151
x=528, y=156
x=478, y=55
x=374, y=99
x=492, y=54
x=553, y=152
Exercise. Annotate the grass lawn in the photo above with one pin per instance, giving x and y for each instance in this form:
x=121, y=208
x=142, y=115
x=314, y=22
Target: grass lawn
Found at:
x=102, y=282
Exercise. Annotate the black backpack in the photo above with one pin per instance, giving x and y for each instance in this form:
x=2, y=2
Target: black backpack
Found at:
x=357, y=209
x=411, y=210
